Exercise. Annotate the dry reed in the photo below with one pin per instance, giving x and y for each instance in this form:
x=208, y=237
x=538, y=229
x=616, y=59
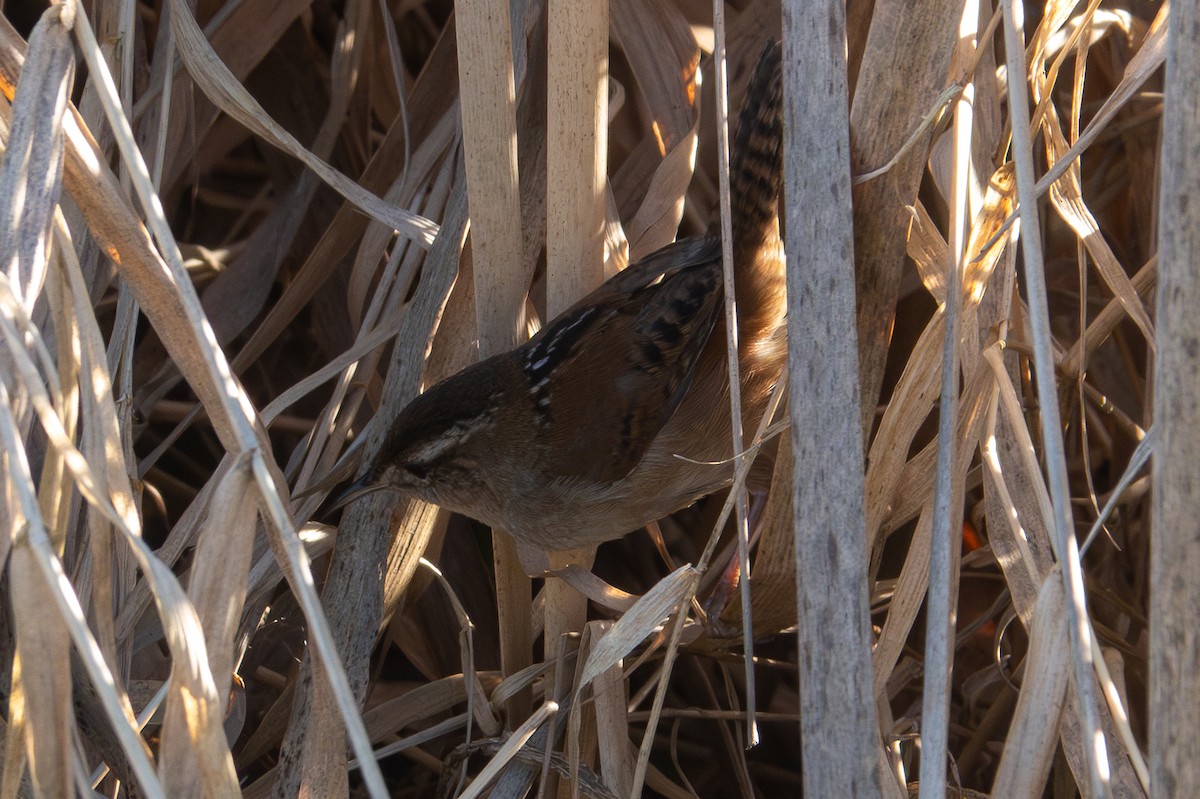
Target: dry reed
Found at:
x=239, y=236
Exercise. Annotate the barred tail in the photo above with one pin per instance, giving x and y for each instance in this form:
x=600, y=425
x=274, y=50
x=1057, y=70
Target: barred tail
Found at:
x=756, y=163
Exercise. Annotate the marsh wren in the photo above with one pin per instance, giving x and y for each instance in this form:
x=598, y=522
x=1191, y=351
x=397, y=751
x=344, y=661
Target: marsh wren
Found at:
x=617, y=412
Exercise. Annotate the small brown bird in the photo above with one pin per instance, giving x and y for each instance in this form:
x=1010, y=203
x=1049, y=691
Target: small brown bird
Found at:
x=617, y=412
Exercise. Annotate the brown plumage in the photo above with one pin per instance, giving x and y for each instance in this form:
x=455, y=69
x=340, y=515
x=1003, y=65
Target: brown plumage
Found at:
x=573, y=437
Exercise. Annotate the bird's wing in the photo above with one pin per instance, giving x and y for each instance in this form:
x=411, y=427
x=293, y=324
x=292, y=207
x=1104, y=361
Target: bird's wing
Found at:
x=616, y=387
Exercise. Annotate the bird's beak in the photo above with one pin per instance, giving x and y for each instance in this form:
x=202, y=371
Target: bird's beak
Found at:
x=359, y=488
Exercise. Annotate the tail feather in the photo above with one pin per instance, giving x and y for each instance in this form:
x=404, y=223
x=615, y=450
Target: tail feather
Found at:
x=756, y=165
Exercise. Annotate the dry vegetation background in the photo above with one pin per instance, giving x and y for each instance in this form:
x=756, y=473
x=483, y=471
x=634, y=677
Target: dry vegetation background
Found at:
x=196, y=334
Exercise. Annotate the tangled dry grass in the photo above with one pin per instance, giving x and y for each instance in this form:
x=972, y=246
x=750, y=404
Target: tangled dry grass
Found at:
x=236, y=239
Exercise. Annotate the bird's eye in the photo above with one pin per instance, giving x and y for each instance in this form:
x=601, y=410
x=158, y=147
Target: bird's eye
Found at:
x=417, y=470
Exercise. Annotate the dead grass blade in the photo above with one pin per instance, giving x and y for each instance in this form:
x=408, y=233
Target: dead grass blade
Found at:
x=662, y=51
x=1139, y=458
x=589, y=585
x=194, y=123
x=636, y=624
x=510, y=749
x=218, y=582
x=1148, y=59
x=576, y=149
x=30, y=179
x=1027, y=757
x=911, y=586
x=897, y=82
x=190, y=672
x=488, y=103
x=1141, y=67
x=612, y=724
x=45, y=561
x=1103, y=323
x=839, y=731
x=942, y=594
x=237, y=294
x=912, y=398
x=577, y=116
x=1067, y=197
x=210, y=772
x=209, y=373
x=15, y=757
x=437, y=136
x=675, y=634
x=1016, y=492
x=42, y=668
x=738, y=493
x=354, y=607
x=1173, y=666
x=219, y=84
x=1065, y=545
